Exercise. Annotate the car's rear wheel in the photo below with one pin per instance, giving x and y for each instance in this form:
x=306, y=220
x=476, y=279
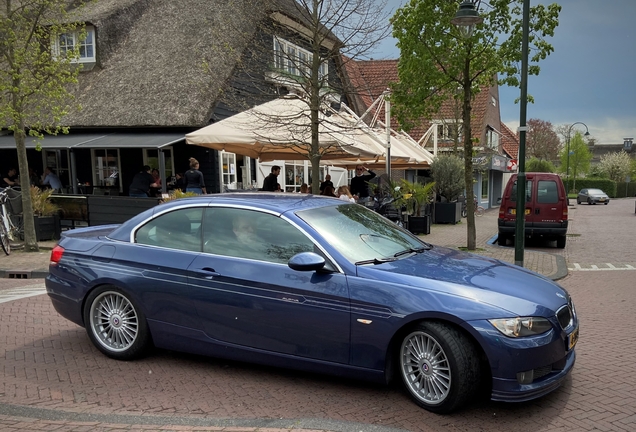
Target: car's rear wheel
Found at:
x=439, y=367
x=116, y=326
x=561, y=241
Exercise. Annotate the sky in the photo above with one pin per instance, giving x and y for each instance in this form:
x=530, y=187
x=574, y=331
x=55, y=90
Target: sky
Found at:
x=590, y=77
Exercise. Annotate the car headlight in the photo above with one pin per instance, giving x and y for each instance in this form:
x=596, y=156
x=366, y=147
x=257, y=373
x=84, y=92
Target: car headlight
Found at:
x=521, y=326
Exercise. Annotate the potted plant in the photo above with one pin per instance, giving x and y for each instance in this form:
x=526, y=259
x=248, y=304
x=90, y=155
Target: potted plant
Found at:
x=45, y=215
x=416, y=196
x=448, y=173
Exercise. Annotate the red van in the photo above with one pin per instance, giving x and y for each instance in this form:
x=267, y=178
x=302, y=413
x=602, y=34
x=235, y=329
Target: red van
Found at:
x=546, y=208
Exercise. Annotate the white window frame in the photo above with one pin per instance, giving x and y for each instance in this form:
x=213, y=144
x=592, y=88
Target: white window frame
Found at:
x=99, y=172
x=295, y=60
x=443, y=131
x=74, y=37
x=492, y=139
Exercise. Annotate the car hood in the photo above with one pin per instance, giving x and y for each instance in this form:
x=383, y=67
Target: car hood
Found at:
x=489, y=280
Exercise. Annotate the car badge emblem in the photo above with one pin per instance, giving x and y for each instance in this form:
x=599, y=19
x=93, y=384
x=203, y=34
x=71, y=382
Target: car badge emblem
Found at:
x=560, y=295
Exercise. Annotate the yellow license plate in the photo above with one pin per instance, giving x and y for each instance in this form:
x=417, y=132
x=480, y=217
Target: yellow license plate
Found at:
x=514, y=211
x=573, y=338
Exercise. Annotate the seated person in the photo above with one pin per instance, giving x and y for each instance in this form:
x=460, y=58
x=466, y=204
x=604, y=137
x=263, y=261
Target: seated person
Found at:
x=51, y=179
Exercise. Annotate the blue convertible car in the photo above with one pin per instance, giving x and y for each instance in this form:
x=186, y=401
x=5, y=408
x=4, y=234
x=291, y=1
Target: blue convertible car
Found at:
x=313, y=283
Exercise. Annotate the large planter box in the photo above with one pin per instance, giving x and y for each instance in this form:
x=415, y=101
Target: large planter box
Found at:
x=420, y=224
x=448, y=213
x=105, y=209
x=47, y=227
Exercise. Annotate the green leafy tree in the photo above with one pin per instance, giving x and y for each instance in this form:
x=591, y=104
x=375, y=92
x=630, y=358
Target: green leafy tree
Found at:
x=540, y=165
x=34, y=81
x=616, y=165
x=579, y=158
x=437, y=58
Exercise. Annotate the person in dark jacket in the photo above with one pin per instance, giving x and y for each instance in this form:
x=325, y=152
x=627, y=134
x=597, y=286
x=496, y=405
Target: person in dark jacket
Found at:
x=326, y=183
x=360, y=183
x=194, y=178
x=270, y=184
x=141, y=183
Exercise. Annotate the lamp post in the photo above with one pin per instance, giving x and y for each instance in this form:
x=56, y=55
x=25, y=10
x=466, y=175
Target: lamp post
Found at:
x=520, y=217
x=587, y=133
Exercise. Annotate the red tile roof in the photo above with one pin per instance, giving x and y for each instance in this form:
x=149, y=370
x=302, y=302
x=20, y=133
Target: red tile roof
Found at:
x=509, y=141
x=369, y=78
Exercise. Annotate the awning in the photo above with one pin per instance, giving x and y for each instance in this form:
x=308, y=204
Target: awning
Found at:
x=103, y=140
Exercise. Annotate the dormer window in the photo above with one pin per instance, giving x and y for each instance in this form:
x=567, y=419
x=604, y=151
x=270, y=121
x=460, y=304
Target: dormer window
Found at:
x=83, y=41
x=295, y=60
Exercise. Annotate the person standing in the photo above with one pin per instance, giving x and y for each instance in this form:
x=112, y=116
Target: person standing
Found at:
x=360, y=183
x=194, y=178
x=326, y=183
x=270, y=184
x=51, y=179
x=141, y=183
x=11, y=179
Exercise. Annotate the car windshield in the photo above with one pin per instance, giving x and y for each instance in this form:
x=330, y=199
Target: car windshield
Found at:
x=361, y=235
x=595, y=191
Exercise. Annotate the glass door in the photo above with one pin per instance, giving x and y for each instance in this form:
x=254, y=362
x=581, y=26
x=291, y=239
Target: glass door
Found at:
x=227, y=170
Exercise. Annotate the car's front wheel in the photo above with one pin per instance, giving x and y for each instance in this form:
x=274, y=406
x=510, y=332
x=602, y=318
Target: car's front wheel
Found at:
x=439, y=366
x=116, y=326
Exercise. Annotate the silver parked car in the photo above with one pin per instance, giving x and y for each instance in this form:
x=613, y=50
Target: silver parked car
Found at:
x=592, y=196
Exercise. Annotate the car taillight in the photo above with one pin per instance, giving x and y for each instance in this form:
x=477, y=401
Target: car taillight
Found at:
x=56, y=254
x=565, y=213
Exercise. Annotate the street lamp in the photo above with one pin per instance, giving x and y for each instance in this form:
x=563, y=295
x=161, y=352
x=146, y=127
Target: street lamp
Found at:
x=587, y=133
x=467, y=18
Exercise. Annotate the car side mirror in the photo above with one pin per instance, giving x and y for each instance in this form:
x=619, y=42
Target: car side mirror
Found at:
x=306, y=261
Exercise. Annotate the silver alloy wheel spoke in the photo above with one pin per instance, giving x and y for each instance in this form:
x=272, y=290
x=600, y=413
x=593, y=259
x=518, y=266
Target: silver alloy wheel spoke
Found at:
x=426, y=368
x=114, y=321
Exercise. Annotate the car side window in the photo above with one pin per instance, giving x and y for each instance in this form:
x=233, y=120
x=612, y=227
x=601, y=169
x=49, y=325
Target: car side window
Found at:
x=252, y=234
x=547, y=192
x=178, y=229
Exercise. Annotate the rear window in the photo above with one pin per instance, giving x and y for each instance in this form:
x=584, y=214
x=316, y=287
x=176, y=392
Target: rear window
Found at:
x=513, y=195
x=547, y=192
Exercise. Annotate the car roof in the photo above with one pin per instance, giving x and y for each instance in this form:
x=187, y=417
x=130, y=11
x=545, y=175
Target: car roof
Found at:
x=277, y=203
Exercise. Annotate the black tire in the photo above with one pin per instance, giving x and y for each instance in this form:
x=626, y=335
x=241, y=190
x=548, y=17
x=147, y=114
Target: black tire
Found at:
x=464, y=212
x=502, y=240
x=578, y=201
x=4, y=239
x=561, y=241
x=115, y=324
x=589, y=201
x=606, y=203
x=443, y=385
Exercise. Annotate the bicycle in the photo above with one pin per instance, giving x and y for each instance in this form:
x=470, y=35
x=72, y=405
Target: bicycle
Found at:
x=479, y=210
x=10, y=218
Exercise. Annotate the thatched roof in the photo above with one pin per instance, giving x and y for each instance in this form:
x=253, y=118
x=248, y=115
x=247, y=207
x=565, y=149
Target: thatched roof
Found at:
x=161, y=62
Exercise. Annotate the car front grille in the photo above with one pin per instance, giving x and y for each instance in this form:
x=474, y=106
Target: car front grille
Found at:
x=566, y=314
x=542, y=371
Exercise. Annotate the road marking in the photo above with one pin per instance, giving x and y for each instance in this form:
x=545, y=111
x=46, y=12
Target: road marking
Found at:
x=20, y=293
x=601, y=267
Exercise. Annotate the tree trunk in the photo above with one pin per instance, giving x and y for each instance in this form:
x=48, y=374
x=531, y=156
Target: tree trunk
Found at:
x=471, y=232
x=30, y=242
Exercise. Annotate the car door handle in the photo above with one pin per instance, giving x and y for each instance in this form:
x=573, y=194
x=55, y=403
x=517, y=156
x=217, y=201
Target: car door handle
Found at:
x=209, y=273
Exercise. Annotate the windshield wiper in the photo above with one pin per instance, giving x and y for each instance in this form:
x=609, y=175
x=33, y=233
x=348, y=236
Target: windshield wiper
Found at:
x=375, y=261
x=411, y=250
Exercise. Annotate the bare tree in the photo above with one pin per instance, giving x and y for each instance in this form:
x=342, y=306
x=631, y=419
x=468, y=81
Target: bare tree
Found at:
x=300, y=47
x=542, y=141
